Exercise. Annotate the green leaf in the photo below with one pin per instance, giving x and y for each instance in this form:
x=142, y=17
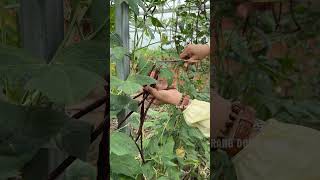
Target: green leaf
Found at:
x=75, y=138
x=148, y=170
x=225, y=166
x=81, y=170
x=141, y=79
x=125, y=164
x=120, y=102
x=149, y=32
x=156, y=22
x=65, y=84
x=118, y=53
x=115, y=82
x=130, y=87
x=240, y=50
x=122, y=144
x=144, y=66
x=167, y=149
x=10, y=166
x=166, y=74
x=134, y=6
x=23, y=131
x=89, y=55
x=18, y=64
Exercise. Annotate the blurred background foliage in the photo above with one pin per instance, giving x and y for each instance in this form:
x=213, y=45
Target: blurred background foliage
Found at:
x=269, y=59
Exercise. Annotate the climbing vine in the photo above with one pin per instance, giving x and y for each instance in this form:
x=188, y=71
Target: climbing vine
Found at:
x=154, y=142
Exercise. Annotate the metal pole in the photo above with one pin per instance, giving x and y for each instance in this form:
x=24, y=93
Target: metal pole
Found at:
x=122, y=28
x=42, y=30
x=123, y=66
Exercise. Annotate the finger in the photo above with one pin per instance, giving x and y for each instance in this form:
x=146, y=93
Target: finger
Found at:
x=185, y=53
x=153, y=74
x=154, y=92
x=161, y=84
x=157, y=102
x=186, y=64
x=191, y=60
x=150, y=97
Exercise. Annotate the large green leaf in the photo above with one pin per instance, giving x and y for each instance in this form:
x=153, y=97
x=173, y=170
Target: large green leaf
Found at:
x=125, y=164
x=148, y=170
x=118, y=53
x=120, y=102
x=130, y=87
x=115, y=82
x=122, y=144
x=144, y=66
x=18, y=64
x=90, y=55
x=65, y=84
x=75, y=138
x=81, y=170
x=167, y=151
x=23, y=131
x=141, y=79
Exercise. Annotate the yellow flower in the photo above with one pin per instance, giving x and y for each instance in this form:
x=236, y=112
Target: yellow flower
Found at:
x=180, y=152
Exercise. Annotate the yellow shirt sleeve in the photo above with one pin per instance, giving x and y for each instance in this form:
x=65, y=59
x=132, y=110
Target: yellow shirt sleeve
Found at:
x=197, y=114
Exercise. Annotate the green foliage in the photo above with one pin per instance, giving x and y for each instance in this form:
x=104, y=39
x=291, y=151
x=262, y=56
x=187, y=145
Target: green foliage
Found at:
x=61, y=80
x=125, y=165
x=276, y=81
x=81, y=170
x=34, y=93
x=89, y=55
x=171, y=149
x=262, y=81
x=19, y=125
x=223, y=166
x=63, y=84
x=74, y=138
x=39, y=89
x=120, y=140
x=8, y=23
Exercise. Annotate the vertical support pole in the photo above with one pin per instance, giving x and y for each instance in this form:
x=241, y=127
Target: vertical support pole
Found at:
x=122, y=28
x=123, y=66
x=42, y=31
x=42, y=27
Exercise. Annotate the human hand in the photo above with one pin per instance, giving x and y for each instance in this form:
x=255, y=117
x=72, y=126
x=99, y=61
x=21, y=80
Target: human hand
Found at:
x=162, y=83
x=194, y=53
x=171, y=96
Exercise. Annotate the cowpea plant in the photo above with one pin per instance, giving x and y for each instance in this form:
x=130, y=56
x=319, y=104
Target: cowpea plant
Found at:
x=33, y=100
x=160, y=144
x=34, y=93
